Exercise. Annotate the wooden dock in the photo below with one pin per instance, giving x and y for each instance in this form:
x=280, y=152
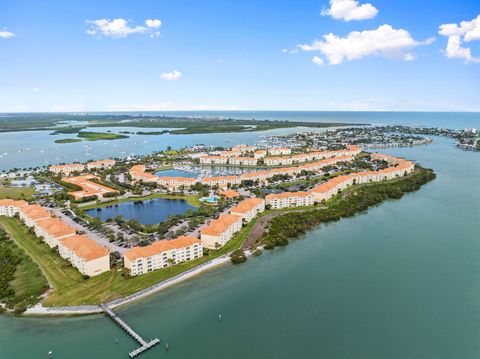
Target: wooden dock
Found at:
x=144, y=344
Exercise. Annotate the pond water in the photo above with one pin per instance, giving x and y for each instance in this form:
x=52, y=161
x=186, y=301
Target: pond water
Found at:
x=146, y=212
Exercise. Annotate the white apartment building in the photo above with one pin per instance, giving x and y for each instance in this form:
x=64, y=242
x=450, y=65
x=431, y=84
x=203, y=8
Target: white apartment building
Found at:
x=289, y=199
x=277, y=161
x=53, y=230
x=67, y=169
x=242, y=161
x=85, y=254
x=219, y=231
x=249, y=208
x=32, y=213
x=279, y=151
x=102, y=164
x=162, y=254
x=213, y=160
x=10, y=207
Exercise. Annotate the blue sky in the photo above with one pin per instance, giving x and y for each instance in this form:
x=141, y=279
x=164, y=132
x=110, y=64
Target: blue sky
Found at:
x=222, y=55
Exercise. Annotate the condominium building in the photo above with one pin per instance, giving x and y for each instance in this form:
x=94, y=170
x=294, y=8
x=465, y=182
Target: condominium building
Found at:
x=161, y=254
x=332, y=187
x=277, y=161
x=328, y=189
x=53, y=230
x=85, y=254
x=244, y=148
x=102, y=164
x=260, y=176
x=138, y=173
x=230, y=153
x=219, y=231
x=248, y=209
x=32, y=213
x=289, y=199
x=242, y=161
x=279, y=151
x=214, y=160
x=229, y=194
x=10, y=207
x=260, y=154
x=67, y=169
x=303, y=157
x=221, y=181
x=89, y=188
x=175, y=183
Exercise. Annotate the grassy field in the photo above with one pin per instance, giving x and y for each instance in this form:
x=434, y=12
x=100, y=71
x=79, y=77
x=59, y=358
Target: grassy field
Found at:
x=97, y=136
x=16, y=192
x=27, y=281
x=69, y=140
x=69, y=286
x=191, y=199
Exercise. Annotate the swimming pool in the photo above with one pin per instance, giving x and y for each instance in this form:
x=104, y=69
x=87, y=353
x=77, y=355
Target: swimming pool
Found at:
x=211, y=199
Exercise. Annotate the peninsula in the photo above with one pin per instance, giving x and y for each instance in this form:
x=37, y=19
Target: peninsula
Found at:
x=90, y=259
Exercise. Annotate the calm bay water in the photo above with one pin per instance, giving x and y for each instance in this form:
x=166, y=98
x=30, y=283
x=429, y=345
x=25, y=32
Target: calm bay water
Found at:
x=401, y=281
x=37, y=148
x=146, y=212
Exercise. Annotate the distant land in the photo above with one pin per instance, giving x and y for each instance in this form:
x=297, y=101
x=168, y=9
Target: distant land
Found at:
x=66, y=123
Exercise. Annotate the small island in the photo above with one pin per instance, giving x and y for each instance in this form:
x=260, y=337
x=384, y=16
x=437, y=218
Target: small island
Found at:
x=69, y=140
x=97, y=136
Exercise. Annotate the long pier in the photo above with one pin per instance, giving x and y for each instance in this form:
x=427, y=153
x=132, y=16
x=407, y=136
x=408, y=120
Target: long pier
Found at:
x=144, y=344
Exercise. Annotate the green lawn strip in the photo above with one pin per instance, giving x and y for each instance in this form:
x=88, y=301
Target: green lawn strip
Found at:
x=16, y=192
x=191, y=199
x=27, y=281
x=56, y=269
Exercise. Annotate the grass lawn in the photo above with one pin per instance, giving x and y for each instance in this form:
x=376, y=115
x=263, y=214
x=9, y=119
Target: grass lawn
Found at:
x=16, y=192
x=28, y=282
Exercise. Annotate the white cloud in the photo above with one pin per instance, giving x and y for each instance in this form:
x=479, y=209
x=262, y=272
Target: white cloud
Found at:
x=36, y=89
x=120, y=28
x=153, y=23
x=384, y=41
x=467, y=31
x=172, y=75
x=348, y=10
x=4, y=34
x=317, y=60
